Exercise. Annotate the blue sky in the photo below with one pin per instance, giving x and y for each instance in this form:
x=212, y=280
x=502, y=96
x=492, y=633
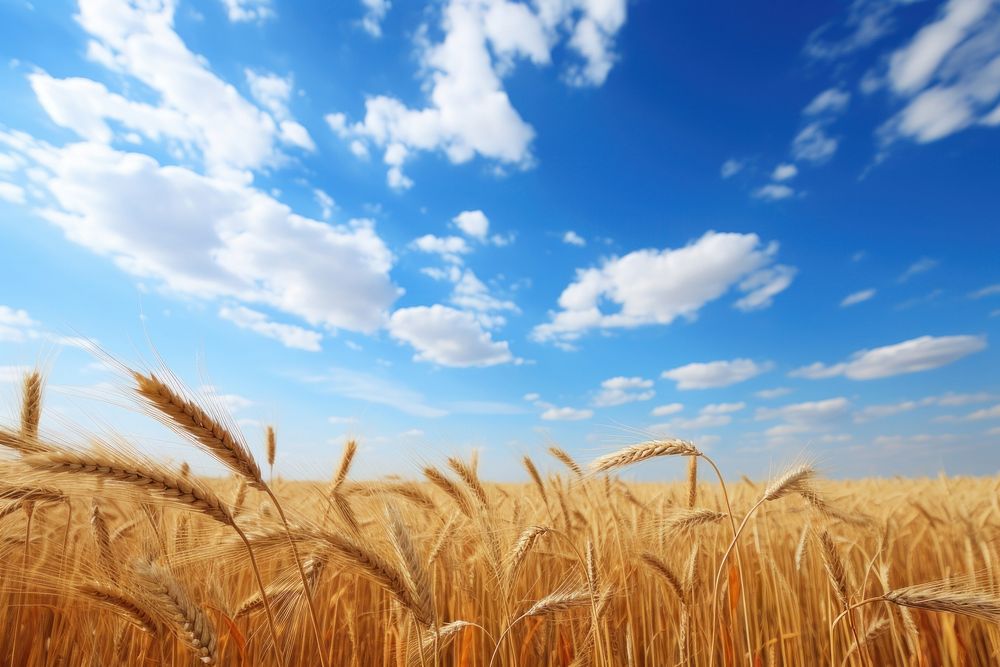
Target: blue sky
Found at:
x=501, y=225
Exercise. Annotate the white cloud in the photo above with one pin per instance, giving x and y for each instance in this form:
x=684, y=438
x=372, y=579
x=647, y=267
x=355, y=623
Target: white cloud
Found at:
x=473, y=223
x=472, y=294
x=715, y=373
x=710, y=416
x=209, y=238
x=10, y=162
x=857, y=297
x=985, y=413
x=469, y=112
x=288, y=335
x=784, y=172
x=11, y=193
x=801, y=418
x=887, y=410
x=912, y=66
x=952, y=399
x=620, y=390
x=761, y=287
x=566, y=414
x=532, y=396
x=665, y=410
x=948, y=74
x=271, y=91
x=375, y=11
x=657, y=286
x=731, y=167
x=326, y=203
x=194, y=109
x=16, y=326
x=922, y=265
x=450, y=248
x=248, y=10
x=572, y=238
x=812, y=144
x=773, y=192
x=832, y=101
x=910, y=356
x=448, y=337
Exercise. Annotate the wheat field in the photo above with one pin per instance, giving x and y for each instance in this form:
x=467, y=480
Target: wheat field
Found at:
x=110, y=556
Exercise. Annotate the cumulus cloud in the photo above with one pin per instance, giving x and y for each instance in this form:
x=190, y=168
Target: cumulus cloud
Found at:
x=715, y=374
x=288, y=335
x=857, y=297
x=447, y=337
x=450, y=248
x=910, y=356
x=657, y=286
x=620, y=390
x=469, y=112
x=572, y=238
x=207, y=237
x=473, y=223
x=193, y=110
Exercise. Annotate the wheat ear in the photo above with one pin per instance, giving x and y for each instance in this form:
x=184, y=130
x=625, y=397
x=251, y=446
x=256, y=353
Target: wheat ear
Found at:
x=566, y=460
x=122, y=603
x=643, y=451
x=192, y=421
x=31, y=405
x=188, y=619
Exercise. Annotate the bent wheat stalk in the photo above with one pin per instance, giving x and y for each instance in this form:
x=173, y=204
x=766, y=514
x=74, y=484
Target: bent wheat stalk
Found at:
x=186, y=493
x=189, y=419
